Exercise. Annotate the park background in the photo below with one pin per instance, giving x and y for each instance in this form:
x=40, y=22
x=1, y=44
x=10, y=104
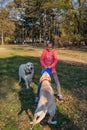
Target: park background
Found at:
x=25, y=25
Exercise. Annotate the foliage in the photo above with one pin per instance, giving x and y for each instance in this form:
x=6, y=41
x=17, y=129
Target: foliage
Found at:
x=40, y=19
x=69, y=40
x=7, y=27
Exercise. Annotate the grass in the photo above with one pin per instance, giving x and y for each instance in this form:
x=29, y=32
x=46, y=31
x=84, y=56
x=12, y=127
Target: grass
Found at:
x=17, y=105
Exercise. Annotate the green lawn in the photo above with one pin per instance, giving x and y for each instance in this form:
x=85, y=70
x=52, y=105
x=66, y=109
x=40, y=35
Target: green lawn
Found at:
x=72, y=72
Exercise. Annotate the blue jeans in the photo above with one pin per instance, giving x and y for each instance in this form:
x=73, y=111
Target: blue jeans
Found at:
x=38, y=91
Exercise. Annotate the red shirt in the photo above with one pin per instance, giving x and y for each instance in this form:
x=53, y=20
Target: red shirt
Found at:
x=49, y=58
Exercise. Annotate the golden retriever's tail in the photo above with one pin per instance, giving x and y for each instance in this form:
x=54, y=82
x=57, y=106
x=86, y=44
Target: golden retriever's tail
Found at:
x=39, y=116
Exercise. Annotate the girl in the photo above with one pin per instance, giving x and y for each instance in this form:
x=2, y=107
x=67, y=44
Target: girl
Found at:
x=49, y=60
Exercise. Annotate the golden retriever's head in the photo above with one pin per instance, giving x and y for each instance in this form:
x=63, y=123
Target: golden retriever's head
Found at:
x=45, y=76
x=29, y=68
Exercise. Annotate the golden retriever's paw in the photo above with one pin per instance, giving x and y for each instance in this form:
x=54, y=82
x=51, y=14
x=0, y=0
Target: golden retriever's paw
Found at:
x=28, y=88
x=31, y=123
x=52, y=122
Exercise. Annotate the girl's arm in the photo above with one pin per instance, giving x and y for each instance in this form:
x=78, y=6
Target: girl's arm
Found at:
x=55, y=59
x=42, y=58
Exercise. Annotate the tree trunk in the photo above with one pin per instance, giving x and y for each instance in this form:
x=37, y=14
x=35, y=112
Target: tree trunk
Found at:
x=40, y=36
x=32, y=31
x=2, y=37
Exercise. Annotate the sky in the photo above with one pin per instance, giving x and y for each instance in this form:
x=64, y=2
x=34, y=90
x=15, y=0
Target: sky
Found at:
x=3, y=3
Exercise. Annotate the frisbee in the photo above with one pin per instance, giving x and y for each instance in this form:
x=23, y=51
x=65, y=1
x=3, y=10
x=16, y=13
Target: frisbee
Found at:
x=48, y=70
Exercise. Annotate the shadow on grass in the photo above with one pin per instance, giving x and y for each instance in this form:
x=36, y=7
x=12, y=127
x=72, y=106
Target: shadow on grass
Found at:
x=26, y=98
x=63, y=122
x=71, y=76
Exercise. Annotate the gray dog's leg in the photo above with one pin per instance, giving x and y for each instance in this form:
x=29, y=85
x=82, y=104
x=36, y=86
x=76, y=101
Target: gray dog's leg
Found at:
x=19, y=79
x=26, y=83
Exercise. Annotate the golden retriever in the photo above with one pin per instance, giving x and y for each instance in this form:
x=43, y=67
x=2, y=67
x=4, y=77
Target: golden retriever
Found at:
x=46, y=102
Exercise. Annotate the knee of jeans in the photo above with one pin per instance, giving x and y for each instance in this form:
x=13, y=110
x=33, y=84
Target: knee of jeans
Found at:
x=39, y=85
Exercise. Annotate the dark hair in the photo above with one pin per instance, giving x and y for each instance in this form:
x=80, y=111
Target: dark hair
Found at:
x=50, y=41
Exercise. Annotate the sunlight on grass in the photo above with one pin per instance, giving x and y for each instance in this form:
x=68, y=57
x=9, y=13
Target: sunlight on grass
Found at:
x=17, y=105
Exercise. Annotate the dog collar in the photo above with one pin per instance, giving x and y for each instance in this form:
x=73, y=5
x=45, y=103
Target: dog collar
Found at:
x=27, y=73
x=44, y=79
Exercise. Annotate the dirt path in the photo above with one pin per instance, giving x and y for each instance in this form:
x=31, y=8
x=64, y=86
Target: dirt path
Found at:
x=67, y=55
x=71, y=59
x=73, y=55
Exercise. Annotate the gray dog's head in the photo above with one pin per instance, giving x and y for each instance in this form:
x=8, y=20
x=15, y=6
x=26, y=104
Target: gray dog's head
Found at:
x=29, y=68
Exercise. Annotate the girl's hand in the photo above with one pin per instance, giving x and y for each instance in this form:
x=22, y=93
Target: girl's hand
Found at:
x=45, y=67
x=49, y=67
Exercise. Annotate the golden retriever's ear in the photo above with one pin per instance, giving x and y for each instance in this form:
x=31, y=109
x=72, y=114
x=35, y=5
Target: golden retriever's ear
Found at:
x=41, y=79
x=49, y=78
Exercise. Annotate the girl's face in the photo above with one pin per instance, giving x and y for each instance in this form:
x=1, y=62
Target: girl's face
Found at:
x=49, y=47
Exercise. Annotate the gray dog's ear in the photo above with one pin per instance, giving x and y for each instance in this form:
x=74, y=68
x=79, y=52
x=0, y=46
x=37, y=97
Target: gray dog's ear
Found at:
x=32, y=64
